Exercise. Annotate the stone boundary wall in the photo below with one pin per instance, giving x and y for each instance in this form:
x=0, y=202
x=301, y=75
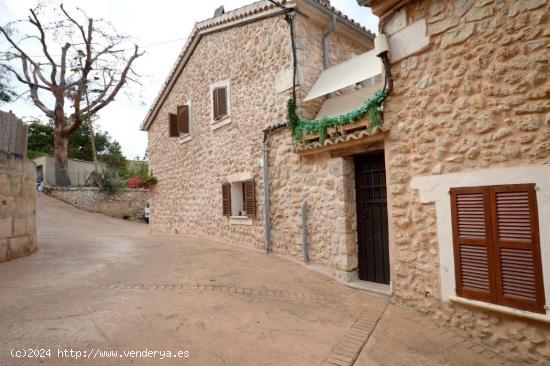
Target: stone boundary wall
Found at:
x=13, y=135
x=17, y=191
x=125, y=203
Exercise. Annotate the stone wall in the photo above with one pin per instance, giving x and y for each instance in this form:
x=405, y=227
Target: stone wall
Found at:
x=17, y=191
x=188, y=196
x=327, y=184
x=254, y=58
x=476, y=96
x=125, y=203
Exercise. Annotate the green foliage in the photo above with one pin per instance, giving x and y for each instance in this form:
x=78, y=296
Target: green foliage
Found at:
x=6, y=94
x=149, y=178
x=111, y=182
x=135, y=168
x=31, y=154
x=40, y=137
x=370, y=108
x=113, y=156
x=41, y=140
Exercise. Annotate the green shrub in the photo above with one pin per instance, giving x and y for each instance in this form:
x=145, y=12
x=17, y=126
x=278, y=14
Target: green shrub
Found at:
x=111, y=182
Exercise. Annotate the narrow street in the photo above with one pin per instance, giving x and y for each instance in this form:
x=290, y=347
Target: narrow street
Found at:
x=101, y=284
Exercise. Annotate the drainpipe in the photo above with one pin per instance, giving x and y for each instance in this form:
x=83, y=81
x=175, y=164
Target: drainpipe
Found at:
x=267, y=223
x=330, y=29
x=304, y=231
x=265, y=163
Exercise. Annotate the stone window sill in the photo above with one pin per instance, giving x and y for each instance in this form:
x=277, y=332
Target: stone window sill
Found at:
x=215, y=124
x=185, y=138
x=240, y=220
x=501, y=309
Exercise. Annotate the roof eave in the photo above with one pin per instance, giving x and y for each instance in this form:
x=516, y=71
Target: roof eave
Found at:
x=381, y=7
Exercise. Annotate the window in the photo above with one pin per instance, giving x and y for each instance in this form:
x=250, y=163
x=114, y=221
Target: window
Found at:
x=496, y=245
x=221, y=104
x=239, y=199
x=179, y=124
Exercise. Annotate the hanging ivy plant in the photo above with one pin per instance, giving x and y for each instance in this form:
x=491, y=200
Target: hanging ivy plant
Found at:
x=299, y=127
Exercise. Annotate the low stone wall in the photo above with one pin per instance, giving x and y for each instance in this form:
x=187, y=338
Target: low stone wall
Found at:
x=17, y=191
x=125, y=203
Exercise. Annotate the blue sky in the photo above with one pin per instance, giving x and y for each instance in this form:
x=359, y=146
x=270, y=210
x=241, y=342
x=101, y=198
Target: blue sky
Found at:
x=161, y=27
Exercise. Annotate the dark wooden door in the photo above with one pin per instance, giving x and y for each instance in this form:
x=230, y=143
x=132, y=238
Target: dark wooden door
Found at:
x=372, y=218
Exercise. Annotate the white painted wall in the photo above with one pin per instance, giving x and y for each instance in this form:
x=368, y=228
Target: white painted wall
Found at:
x=436, y=189
x=78, y=169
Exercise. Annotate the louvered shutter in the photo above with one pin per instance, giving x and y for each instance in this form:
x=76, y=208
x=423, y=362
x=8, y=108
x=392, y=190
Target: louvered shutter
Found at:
x=226, y=199
x=173, y=125
x=249, y=193
x=473, y=252
x=222, y=102
x=517, y=247
x=215, y=103
x=183, y=119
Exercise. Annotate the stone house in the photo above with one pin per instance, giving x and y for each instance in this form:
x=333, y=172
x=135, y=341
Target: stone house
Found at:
x=467, y=162
x=444, y=204
x=232, y=80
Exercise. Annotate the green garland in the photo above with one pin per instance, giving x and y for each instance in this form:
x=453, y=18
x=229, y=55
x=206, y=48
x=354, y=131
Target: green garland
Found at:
x=300, y=126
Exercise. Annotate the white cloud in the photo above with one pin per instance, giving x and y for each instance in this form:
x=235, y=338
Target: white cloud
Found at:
x=152, y=25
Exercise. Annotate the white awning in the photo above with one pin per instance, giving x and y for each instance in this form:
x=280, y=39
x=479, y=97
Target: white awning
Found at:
x=343, y=104
x=348, y=73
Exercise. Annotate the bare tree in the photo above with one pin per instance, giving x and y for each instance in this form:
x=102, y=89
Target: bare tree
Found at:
x=92, y=66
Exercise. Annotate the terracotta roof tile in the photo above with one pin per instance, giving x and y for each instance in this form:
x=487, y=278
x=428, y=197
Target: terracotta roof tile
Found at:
x=340, y=139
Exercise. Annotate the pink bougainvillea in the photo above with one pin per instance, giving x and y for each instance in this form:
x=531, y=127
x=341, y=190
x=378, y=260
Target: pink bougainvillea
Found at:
x=135, y=182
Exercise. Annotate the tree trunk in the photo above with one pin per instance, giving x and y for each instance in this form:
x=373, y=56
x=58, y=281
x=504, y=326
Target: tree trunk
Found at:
x=61, y=160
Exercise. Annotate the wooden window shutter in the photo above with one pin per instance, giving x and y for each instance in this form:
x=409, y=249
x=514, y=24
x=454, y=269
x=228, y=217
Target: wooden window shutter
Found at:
x=173, y=125
x=215, y=103
x=183, y=119
x=222, y=102
x=517, y=247
x=249, y=193
x=226, y=199
x=473, y=251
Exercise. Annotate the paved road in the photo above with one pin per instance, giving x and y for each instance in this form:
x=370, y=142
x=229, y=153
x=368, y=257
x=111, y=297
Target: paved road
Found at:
x=99, y=284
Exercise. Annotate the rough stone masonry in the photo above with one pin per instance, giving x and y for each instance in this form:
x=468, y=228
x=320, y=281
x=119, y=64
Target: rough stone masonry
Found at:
x=17, y=191
x=473, y=94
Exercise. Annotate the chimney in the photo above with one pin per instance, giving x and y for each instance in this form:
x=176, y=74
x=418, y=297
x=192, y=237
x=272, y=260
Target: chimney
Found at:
x=219, y=11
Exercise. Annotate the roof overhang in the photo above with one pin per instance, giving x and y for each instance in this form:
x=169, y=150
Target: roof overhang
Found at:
x=381, y=7
x=351, y=72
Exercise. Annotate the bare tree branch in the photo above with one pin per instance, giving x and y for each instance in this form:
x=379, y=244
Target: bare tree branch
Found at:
x=23, y=54
x=21, y=79
x=64, y=50
x=90, y=79
x=38, y=25
x=120, y=83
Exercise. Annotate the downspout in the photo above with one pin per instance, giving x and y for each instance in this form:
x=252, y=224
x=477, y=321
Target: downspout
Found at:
x=289, y=18
x=267, y=203
x=267, y=219
x=304, y=231
x=326, y=53
x=382, y=49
